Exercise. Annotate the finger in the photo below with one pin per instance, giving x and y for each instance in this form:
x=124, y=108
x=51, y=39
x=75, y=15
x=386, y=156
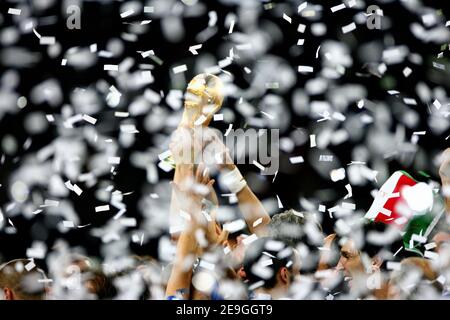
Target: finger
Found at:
x=211, y=182
x=199, y=173
x=205, y=176
x=223, y=236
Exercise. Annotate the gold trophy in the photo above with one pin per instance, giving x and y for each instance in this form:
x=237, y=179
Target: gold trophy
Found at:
x=203, y=98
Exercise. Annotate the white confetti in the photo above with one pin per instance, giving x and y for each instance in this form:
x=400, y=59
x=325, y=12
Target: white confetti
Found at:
x=337, y=174
x=348, y=28
x=431, y=255
x=295, y=160
x=287, y=18
x=193, y=49
x=126, y=13
x=111, y=67
x=30, y=265
x=230, y=30
x=114, y=160
x=407, y=72
x=338, y=7
x=14, y=11
x=179, y=69
x=302, y=6
x=47, y=40
x=89, y=119
x=102, y=208
x=437, y=104
x=280, y=205
x=312, y=139
x=258, y=165
x=305, y=69
x=250, y=239
x=257, y=222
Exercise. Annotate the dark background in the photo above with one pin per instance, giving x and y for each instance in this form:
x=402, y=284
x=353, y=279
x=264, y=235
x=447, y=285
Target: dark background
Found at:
x=101, y=21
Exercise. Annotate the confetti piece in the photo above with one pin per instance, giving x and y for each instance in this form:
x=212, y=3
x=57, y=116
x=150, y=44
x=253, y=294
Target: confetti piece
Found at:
x=230, y=30
x=89, y=119
x=127, y=13
x=119, y=114
x=179, y=69
x=300, y=42
x=295, y=160
x=390, y=265
x=128, y=222
x=287, y=18
x=200, y=120
x=430, y=246
x=338, y=7
x=332, y=210
x=128, y=128
x=102, y=208
x=258, y=165
x=77, y=190
x=317, y=51
x=348, y=206
x=234, y=226
x=348, y=28
x=149, y=9
x=164, y=155
x=250, y=239
x=111, y=67
x=407, y=72
x=305, y=69
x=312, y=139
x=114, y=160
x=302, y=6
x=14, y=11
x=322, y=208
x=218, y=117
x=337, y=174
x=68, y=224
x=437, y=104
x=301, y=28
x=410, y=101
x=47, y=40
x=280, y=205
x=230, y=127
x=439, y=66
x=431, y=255
x=257, y=222
x=193, y=49
x=349, y=191
x=30, y=265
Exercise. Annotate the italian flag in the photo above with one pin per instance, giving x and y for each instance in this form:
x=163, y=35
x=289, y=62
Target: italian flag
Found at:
x=407, y=205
